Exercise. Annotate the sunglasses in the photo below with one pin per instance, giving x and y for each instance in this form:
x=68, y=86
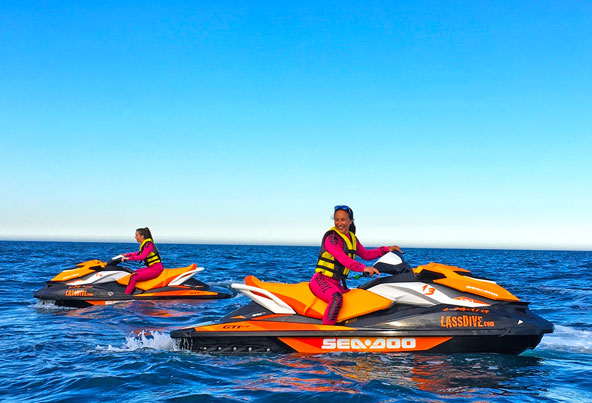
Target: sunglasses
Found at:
x=345, y=208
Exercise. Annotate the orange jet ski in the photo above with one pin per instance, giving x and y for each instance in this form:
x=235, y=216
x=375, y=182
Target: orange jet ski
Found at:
x=435, y=308
x=98, y=283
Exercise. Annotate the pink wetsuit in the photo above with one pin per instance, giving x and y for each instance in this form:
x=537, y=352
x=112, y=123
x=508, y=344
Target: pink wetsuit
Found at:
x=144, y=273
x=329, y=289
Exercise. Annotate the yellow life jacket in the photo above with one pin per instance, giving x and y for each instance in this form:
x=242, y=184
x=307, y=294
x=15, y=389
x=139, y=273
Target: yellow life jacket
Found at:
x=327, y=264
x=153, y=257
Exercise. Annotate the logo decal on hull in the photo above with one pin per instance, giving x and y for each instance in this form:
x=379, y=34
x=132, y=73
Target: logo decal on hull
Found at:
x=380, y=343
x=427, y=290
x=481, y=290
x=465, y=321
x=78, y=293
x=362, y=344
x=235, y=327
x=466, y=309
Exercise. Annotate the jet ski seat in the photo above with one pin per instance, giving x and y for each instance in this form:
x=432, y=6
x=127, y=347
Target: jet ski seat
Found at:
x=356, y=302
x=162, y=280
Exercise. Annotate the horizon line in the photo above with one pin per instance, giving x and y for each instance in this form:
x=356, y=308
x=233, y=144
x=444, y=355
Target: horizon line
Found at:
x=263, y=243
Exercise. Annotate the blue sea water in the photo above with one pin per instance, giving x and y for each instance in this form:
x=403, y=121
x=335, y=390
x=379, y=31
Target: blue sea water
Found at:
x=124, y=351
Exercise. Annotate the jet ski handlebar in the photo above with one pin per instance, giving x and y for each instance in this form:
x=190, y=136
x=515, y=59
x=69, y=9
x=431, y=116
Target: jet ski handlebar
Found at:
x=392, y=263
x=115, y=260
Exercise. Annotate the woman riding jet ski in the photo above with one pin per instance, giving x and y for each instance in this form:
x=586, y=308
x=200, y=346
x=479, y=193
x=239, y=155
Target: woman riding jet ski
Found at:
x=435, y=308
x=98, y=283
x=339, y=248
x=149, y=254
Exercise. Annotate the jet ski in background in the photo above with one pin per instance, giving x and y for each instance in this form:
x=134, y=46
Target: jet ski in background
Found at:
x=433, y=308
x=98, y=283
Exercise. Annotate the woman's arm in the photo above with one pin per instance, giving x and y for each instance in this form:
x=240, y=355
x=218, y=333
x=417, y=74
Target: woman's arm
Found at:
x=370, y=254
x=334, y=245
x=140, y=256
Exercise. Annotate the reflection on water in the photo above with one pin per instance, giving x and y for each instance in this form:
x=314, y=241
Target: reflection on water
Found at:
x=156, y=308
x=291, y=384
x=295, y=373
x=442, y=374
x=167, y=309
x=470, y=375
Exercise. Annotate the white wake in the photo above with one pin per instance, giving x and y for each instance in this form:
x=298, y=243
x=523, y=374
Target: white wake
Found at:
x=568, y=339
x=145, y=340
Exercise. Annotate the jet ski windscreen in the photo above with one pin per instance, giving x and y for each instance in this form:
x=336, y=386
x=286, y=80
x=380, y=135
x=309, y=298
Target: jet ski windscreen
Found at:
x=392, y=263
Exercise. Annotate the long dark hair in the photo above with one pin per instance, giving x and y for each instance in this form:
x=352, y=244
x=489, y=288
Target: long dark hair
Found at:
x=145, y=232
x=352, y=226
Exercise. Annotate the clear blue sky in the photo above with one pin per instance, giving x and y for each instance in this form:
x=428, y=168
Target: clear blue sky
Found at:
x=441, y=123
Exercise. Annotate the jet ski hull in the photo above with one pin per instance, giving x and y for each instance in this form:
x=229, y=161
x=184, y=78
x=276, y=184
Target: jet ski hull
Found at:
x=331, y=343
x=509, y=328
x=89, y=295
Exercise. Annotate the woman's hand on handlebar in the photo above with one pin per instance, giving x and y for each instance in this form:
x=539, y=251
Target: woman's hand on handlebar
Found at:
x=395, y=247
x=371, y=271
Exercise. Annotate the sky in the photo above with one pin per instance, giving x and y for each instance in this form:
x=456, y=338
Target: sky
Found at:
x=441, y=123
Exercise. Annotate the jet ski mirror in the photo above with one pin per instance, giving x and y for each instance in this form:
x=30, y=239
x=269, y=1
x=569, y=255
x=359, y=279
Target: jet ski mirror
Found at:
x=392, y=263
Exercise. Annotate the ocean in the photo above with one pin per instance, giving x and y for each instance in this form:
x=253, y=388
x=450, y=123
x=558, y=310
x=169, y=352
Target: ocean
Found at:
x=124, y=351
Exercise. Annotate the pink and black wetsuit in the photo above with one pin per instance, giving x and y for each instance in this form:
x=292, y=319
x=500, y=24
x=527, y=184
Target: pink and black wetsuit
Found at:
x=144, y=273
x=330, y=289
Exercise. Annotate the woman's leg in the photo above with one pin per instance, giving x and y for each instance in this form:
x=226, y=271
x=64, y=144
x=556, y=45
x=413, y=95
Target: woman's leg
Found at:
x=143, y=274
x=329, y=291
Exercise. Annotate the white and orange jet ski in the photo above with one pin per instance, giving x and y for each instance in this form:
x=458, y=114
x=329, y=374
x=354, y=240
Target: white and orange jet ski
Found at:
x=98, y=283
x=432, y=308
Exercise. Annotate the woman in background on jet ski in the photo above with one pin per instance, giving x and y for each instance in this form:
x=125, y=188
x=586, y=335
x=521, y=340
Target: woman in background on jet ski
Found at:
x=338, y=251
x=149, y=254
